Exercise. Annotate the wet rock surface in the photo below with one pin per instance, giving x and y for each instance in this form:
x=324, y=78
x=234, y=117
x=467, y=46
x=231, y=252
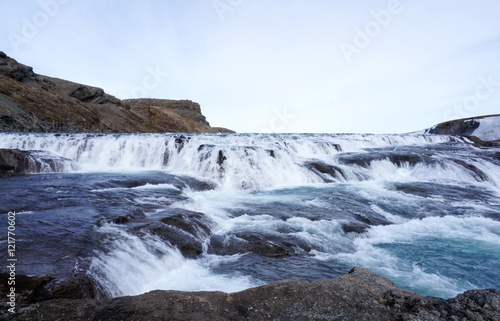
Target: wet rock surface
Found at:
x=399, y=159
x=321, y=168
x=15, y=162
x=358, y=295
x=183, y=229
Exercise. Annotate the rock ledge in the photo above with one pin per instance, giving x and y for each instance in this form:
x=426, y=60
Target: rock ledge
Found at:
x=358, y=295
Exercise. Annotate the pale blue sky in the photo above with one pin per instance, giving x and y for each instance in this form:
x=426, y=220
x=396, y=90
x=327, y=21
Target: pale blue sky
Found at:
x=274, y=66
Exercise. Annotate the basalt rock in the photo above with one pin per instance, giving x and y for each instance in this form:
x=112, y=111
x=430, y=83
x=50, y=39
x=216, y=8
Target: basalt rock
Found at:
x=479, y=174
x=482, y=143
x=358, y=295
x=319, y=168
x=461, y=127
x=31, y=289
x=263, y=245
x=15, y=162
x=398, y=159
x=354, y=227
x=184, y=229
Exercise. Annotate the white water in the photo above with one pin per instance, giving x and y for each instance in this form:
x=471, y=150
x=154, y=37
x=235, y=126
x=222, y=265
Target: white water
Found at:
x=132, y=266
x=489, y=128
x=264, y=164
x=252, y=161
x=465, y=233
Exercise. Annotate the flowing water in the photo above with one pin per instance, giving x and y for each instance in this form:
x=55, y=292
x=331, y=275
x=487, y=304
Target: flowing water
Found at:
x=138, y=212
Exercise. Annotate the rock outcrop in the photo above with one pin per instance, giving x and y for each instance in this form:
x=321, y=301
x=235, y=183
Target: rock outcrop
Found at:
x=359, y=295
x=36, y=103
x=483, y=131
x=185, y=115
x=15, y=162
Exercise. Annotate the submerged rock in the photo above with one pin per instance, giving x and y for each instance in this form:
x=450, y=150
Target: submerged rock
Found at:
x=321, y=168
x=358, y=295
x=354, y=227
x=398, y=159
x=479, y=174
x=250, y=242
x=185, y=230
x=482, y=143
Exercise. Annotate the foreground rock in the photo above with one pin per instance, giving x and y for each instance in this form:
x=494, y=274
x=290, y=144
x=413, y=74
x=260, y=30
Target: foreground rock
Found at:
x=359, y=295
x=36, y=103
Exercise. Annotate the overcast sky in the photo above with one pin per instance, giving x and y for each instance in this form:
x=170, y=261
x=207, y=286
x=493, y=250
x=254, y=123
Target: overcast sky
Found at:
x=274, y=66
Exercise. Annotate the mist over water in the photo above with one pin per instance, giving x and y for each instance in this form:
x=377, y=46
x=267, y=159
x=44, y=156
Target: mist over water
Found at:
x=227, y=212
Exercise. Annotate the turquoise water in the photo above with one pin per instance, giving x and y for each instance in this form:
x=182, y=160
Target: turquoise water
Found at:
x=421, y=210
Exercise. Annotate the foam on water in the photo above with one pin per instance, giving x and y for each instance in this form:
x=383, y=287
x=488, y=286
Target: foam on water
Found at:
x=378, y=250
x=425, y=209
x=145, y=187
x=130, y=265
x=489, y=128
x=245, y=161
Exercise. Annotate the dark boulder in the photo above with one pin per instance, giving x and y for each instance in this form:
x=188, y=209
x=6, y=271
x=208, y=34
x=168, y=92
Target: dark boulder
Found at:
x=483, y=143
x=461, y=127
x=30, y=289
x=197, y=184
x=221, y=158
x=354, y=227
x=372, y=220
x=398, y=159
x=187, y=244
x=261, y=245
x=478, y=174
x=18, y=162
x=180, y=141
x=320, y=168
x=252, y=242
x=185, y=230
x=194, y=223
x=15, y=70
x=88, y=94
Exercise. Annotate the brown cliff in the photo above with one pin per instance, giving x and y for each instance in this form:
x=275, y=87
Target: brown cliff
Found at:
x=36, y=103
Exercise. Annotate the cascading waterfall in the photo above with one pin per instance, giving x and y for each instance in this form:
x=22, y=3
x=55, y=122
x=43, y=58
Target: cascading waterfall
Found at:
x=226, y=212
x=246, y=161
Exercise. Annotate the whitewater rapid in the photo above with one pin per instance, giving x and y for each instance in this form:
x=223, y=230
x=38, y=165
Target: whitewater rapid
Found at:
x=423, y=210
x=244, y=161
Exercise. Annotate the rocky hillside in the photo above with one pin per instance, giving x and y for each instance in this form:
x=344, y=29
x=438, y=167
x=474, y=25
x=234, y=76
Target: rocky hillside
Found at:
x=359, y=295
x=482, y=129
x=36, y=103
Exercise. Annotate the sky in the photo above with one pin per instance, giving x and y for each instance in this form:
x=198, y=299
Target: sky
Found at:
x=316, y=66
